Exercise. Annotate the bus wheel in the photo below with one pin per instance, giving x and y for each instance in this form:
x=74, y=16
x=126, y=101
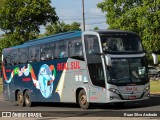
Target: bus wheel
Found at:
x=20, y=99
x=82, y=99
x=27, y=99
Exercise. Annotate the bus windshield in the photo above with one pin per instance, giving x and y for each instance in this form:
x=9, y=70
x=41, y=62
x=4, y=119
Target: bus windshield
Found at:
x=121, y=43
x=127, y=71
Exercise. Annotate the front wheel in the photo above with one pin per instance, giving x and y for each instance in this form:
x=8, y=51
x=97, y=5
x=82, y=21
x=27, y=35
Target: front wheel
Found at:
x=20, y=98
x=27, y=99
x=82, y=99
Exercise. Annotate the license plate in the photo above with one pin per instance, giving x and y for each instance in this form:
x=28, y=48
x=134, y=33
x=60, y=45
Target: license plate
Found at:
x=132, y=97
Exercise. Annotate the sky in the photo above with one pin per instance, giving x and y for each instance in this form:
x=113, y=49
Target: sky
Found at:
x=70, y=11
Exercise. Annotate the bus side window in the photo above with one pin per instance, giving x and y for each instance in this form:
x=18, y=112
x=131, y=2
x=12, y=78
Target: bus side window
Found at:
x=48, y=51
x=92, y=46
x=6, y=58
x=5, y=63
x=19, y=56
x=53, y=50
x=63, y=49
x=34, y=53
x=78, y=49
x=44, y=51
x=24, y=55
x=15, y=57
x=75, y=47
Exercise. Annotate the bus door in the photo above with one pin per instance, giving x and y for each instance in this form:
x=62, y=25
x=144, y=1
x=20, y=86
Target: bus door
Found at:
x=8, y=87
x=95, y=63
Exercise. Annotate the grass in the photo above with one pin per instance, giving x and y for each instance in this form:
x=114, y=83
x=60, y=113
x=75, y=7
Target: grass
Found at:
x=155, y=86
x=1, y=86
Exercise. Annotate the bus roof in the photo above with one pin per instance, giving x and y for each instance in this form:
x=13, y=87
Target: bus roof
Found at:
x=66, y=35
x=114, y=31
x=56, y=37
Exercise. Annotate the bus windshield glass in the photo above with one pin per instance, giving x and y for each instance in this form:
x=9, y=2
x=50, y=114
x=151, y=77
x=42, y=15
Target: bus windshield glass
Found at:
x=121, y=43
x=127, y=71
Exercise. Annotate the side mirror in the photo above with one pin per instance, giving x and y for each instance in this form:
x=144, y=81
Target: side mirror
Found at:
x=108, y=60
x=155, y=58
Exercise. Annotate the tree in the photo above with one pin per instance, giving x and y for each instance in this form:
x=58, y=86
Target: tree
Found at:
x=140, y=16
x=96, y=28
x=24, y=17
x=61, y=27
x=21, y=20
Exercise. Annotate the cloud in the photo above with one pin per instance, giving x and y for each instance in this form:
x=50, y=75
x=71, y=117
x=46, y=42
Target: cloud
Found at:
x=72, y=12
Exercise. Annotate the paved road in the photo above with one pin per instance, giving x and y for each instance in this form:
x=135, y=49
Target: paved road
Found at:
x=72, y=110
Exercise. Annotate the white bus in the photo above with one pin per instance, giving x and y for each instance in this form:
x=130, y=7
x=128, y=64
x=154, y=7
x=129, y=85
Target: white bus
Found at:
x=77, y=67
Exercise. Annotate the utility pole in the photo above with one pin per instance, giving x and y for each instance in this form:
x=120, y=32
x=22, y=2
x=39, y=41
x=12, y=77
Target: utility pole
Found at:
x=83, y=15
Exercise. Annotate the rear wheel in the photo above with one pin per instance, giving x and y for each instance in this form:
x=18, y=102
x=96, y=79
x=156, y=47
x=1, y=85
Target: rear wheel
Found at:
x=20, y=98
x=82, y=99
x=27, y=99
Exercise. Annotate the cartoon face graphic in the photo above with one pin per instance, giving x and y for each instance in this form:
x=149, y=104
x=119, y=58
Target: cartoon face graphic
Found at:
x=45, y=81
x=45, y=77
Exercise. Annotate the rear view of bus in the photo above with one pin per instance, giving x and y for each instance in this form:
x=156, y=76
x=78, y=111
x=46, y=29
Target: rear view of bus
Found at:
x=116, y=62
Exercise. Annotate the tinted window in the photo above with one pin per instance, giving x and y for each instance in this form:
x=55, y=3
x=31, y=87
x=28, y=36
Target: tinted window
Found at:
x=121, y=43
x=15, y=56
x=75, y=47
x=94, y=61
x=63, y=49
x=91, y=44
x=23, y=55
x=34, y=53
x=46, y=52
x=7, y=58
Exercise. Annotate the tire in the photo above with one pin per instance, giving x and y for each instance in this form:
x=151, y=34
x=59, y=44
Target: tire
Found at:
x=27, y=99
x=82, y=100
x=20, y=98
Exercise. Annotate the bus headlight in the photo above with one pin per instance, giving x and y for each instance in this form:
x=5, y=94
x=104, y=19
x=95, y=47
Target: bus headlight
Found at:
x=114, y=90
x=146, y=89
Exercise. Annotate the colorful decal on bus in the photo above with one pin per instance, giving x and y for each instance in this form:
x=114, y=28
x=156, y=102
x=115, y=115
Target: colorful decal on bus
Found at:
x=45, y=77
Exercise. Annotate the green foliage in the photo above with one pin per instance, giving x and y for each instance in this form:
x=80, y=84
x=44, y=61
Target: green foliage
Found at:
x=140, y=16
x=24, y=17
x=21, y=20
x=96, y=28
x=61, y=27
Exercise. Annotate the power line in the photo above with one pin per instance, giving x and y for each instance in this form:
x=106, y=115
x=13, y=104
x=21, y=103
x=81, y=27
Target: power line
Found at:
x=73, y=6
x=94, y=14
x=95, y=23
x=80, y=18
